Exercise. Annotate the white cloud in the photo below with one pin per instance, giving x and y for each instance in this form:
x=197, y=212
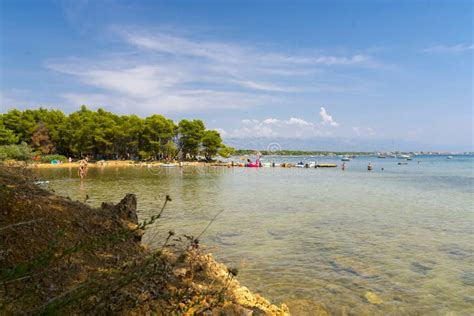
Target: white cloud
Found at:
x=8, y=102
x=221, y=131
x=270, y=121
x=263, y=86
x=363, y=131
x=272, y=127
x=169, y=73
x=228, y=53
x=178, y=101
x=459, y=48
x=21, y=99
x=327, y=119
x=297, y=121
x=251, y=121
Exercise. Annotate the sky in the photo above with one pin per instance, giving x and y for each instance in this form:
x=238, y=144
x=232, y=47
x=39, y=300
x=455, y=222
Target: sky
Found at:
x=384, y=72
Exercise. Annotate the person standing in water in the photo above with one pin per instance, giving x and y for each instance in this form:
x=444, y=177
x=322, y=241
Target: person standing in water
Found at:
x=343, y=167
x=82, y=168
x=369, y=167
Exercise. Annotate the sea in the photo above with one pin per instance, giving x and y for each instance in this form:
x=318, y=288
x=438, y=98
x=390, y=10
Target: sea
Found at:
x=396, y=240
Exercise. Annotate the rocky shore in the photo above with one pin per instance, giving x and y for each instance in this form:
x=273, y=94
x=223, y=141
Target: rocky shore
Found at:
x=61, y=256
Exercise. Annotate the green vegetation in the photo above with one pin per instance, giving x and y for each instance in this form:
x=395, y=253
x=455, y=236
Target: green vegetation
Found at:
x=190, y=134
x=104, y=135
x=20, y=152
x=212, y=142
x=226, y=151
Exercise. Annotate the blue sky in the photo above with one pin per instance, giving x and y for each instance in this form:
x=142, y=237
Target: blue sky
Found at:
x=368, y=70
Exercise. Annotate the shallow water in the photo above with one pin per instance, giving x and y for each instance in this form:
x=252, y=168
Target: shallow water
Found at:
x=319, y=235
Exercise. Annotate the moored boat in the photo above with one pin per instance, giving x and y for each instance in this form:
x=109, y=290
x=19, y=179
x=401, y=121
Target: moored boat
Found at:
x=403, y=156
x=326, y=165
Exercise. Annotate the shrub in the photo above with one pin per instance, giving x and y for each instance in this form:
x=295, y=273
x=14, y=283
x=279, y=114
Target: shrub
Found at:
x=21, y=152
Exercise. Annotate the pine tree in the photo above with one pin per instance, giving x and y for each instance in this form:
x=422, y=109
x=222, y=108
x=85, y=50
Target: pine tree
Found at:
x=41, y=140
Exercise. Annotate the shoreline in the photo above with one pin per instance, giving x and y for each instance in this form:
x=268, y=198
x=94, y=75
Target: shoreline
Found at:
x=154, y=164
x=115, y=163
x=207, y=285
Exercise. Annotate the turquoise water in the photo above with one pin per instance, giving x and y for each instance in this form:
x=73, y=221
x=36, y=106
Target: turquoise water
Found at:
x=325, y=236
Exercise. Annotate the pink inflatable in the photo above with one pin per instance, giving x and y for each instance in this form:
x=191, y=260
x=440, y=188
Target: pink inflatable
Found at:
x=255, y=164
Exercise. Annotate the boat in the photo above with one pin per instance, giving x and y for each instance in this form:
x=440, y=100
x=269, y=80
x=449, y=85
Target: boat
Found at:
x=300, y=165
x=381, y=156
x=326, y=165
x=403, y=156
x=410, y=158
x=449, y=157
x=346, y=159
x=402, y=163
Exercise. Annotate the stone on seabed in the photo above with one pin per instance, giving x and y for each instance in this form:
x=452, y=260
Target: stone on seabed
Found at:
x=373, y=298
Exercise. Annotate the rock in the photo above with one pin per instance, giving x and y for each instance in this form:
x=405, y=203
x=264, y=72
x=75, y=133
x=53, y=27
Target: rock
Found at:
x=422, y=268
x=125, y=209
x=469, y=299
x=145, y=296
x=334, y=289
x=456, y=252
x=306, y=307
x=353, y=266
x=373, y=298
x=468, y=278
x=242, y=296
x=180, y=272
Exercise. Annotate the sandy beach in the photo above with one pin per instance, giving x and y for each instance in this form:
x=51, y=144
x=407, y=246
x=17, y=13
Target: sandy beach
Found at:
x=115, y=164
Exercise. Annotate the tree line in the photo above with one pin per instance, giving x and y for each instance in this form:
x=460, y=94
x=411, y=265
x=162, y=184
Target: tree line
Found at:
x=104, y=135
